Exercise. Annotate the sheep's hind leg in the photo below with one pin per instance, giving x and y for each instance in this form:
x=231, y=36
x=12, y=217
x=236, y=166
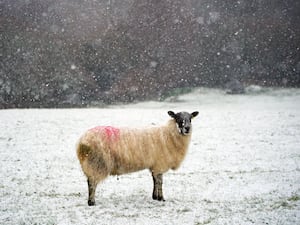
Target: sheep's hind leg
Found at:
x=92, y=185
x=157, y=189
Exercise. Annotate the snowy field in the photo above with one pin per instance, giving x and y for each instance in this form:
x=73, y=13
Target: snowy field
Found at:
x=243, y=165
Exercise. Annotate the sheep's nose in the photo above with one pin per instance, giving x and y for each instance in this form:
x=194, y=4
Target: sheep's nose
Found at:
x=187, y=129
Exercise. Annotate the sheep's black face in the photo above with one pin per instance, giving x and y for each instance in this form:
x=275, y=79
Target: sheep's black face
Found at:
x=183, y=121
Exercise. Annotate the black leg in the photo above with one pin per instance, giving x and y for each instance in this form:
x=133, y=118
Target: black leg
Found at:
x=157, y=187
x=92, y=189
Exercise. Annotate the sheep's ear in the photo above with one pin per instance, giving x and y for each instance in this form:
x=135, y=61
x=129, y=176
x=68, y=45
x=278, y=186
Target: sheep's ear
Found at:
x=172, y=114
x=194, y=114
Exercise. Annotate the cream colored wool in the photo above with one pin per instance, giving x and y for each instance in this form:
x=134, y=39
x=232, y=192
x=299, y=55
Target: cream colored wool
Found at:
x=158, y=149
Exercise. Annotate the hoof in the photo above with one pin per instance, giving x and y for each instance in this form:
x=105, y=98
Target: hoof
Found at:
x=91, y=203
x=161, y=199
x=154, y=197
x=158, y=198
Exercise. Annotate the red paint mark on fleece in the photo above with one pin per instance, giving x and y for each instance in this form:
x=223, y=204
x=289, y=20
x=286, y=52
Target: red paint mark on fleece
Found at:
x=112, y=133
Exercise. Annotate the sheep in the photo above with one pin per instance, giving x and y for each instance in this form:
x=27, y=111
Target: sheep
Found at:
x=105, y=150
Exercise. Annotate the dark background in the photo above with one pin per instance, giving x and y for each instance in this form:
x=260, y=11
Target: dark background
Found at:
x=70, y=53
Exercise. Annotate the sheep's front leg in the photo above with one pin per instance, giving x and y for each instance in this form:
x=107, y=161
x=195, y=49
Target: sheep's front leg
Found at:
x=157, y=189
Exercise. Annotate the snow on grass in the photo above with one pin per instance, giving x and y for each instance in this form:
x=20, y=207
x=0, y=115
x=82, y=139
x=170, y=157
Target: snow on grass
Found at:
x=242, y=166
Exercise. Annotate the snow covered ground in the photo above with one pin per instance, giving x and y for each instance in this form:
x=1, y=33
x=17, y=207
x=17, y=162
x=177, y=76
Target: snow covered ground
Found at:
x=243, y=165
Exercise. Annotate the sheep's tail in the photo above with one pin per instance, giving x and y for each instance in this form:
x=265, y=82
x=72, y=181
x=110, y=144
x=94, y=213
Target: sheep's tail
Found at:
x=83, y=151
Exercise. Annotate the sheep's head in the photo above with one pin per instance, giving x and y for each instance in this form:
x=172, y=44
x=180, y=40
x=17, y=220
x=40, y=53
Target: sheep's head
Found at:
x=183, y=121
